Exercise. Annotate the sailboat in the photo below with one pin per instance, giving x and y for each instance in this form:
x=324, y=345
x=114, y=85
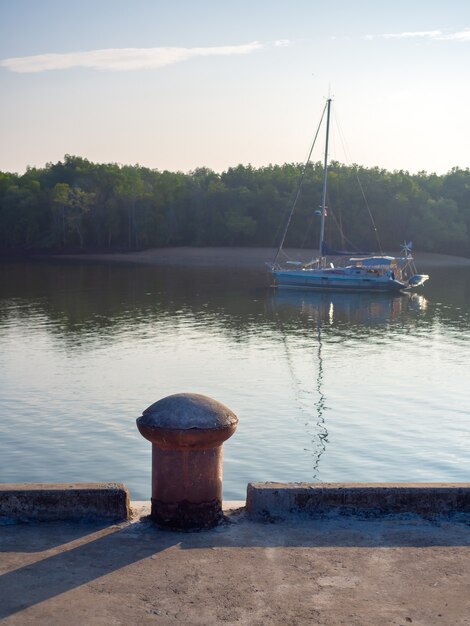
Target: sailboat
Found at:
x=343, y=270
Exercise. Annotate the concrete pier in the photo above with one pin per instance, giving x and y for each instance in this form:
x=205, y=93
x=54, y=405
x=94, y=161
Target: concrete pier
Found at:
x=328, y=572
x=323, y=554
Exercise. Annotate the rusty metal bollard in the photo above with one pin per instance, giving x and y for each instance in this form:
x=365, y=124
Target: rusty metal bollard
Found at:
x=187, y=431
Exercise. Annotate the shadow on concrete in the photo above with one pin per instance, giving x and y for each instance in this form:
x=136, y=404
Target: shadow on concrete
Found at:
x=57, y=534
x=50, y=559
x=100, y=551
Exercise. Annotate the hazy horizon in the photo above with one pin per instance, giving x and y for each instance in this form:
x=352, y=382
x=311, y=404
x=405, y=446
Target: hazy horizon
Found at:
x=187, y=85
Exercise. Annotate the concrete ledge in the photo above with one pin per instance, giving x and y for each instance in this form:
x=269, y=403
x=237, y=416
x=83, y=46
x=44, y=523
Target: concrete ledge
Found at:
x=25, y=502
x=269, y=501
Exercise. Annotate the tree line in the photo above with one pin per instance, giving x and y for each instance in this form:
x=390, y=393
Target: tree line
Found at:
x=79, y=205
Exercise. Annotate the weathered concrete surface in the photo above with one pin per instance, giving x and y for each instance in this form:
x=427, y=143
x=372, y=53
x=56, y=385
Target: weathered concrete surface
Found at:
x=328, y=572
x=63, y=501
x=280, y=500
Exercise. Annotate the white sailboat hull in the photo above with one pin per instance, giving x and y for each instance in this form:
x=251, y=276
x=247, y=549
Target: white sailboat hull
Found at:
x=335, y=280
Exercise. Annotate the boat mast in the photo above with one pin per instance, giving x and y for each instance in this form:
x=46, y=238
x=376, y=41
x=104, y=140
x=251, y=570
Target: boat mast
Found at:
x=325, y=175
x=299, y=188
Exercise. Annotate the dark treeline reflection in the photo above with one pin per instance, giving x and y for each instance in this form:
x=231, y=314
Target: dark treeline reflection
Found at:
x=92, y=299
x=84, y=299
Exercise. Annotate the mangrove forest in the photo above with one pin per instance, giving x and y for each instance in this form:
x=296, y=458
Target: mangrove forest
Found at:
x=78, y=205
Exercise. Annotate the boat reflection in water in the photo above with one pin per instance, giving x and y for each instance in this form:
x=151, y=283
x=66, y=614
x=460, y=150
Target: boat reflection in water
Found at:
x=328, y=317
x=354, y=308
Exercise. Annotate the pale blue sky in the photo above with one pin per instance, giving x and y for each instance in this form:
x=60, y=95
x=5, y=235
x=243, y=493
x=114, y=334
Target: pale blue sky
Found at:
x=211, y=83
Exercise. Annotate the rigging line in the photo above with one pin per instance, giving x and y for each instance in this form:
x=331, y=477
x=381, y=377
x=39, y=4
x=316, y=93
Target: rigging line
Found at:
x=299, y=188
x=339, y=227
x=277, y=232
x=348, y=159
x=307, y=232
x=286, y=255
x=370, y=213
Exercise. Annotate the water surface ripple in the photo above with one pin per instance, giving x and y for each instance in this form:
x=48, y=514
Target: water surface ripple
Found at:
x=328, y=387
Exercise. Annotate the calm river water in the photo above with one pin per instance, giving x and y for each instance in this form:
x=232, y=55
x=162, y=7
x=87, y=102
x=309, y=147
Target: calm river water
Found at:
x=327, y=387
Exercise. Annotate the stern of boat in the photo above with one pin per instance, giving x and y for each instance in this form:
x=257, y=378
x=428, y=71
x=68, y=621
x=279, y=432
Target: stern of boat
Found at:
x=417, y=280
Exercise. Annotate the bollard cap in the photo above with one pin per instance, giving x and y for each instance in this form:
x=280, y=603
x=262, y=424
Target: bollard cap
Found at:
x=183, y=411
x=187, y=419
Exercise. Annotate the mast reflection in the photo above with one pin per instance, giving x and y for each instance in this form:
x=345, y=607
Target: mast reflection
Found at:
x=327, y=313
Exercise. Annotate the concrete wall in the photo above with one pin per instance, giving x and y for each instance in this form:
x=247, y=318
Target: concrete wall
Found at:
x=281, y=500
x=63, y=501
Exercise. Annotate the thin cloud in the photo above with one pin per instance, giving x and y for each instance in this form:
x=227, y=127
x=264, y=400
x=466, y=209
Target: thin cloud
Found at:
x=282, y=43
x=437, y=35
x=462, y=35
x=431, y=34
x=121, y=59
